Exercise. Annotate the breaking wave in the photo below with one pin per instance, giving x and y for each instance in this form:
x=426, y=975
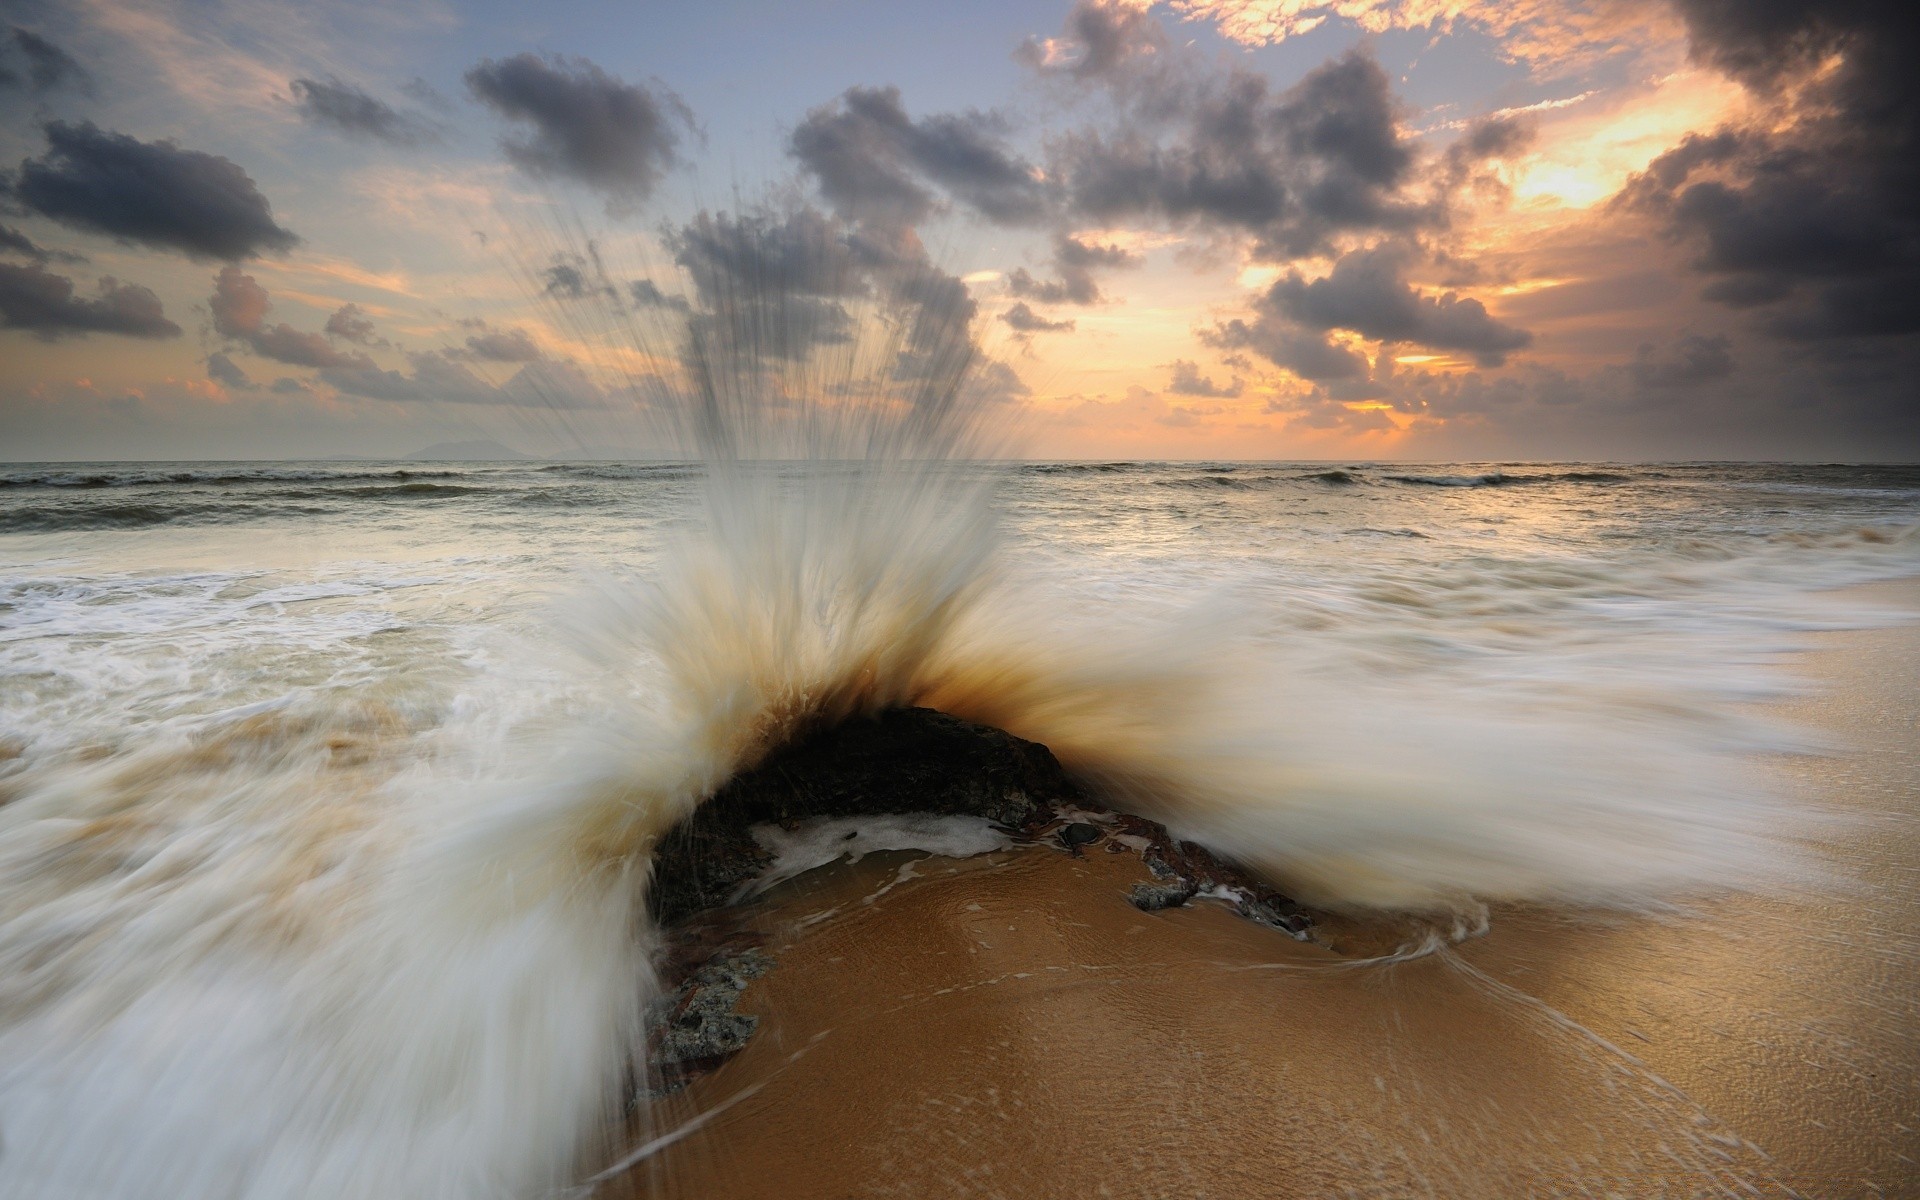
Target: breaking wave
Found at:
x=343, y=952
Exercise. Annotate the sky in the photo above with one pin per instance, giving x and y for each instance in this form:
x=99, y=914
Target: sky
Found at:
x=1202, y=229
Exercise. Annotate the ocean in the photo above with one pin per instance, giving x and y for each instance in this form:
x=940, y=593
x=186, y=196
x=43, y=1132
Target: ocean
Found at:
x=325, y=787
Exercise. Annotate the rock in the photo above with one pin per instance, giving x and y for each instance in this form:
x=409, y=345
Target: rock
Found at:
x=898, y=761
x=1152, y=897
x=1078, y=834
x=695, y=1029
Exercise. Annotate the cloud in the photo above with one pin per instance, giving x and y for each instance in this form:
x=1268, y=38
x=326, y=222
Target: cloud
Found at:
x=35, y=299
x=874, y=162
x=434, y=378
x=588, y=126
x=1100, y=40
x=1552, y=34
x=1222, y=153
x=48, y=66
x=151, y=193
x=1807, y=215
x=771, y=285
x=774, y=287
x=12, y=241
x=647, y=294
x=1188, y=381
x=993, y=382
x=731, y=259
x=347, y=109
x=1690, y=361
x=1074, y=263
x=503, y=345
x=1309, y=355
x=224, y=371
x=350, y=323
x=1368, y=294
x=1024, y=320
x=240, y=305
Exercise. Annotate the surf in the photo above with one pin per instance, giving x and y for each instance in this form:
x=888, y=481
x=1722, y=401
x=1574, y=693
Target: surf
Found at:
x=332, y=951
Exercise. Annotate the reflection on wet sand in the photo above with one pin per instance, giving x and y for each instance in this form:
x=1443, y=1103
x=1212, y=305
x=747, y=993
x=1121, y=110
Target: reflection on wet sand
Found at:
x=1011, y=1026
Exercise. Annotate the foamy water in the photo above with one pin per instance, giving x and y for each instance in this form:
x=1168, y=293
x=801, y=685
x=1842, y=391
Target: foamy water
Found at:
x=330, y=786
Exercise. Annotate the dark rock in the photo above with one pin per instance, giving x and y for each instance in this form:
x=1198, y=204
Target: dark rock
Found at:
x=695, y=1029
x=900, y=760
x=907, y=760
x=1152, y=897
x=1078, y=834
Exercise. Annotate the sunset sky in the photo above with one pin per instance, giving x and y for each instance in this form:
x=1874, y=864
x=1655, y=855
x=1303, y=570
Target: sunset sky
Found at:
x=1233, y=229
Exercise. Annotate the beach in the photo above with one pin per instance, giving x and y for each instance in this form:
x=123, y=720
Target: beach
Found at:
x=1011, y=1026
x=334, y=791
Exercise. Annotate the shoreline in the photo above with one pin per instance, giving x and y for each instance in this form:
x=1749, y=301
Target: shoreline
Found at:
x=923, y=1034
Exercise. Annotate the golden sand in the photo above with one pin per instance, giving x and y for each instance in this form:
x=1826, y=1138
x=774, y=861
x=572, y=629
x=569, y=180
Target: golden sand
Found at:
x=1011, y=1026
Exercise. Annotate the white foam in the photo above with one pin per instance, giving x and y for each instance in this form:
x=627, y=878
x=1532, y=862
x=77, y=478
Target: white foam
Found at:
x=817, y=841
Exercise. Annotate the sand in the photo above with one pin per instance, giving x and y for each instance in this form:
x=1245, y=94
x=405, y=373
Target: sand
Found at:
x=1010, y=1026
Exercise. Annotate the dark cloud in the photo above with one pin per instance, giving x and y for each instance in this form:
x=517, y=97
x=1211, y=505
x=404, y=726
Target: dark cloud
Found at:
x=152, y=193
x=1024, y=320
x=346, y=108
x=1221, y=152
x=770, y=289
x=770, y=286
x=616, y=137
x=733, y=259
x=566, y=281
x=1188, y=381
x=1367, y=293
x=12, y=241
x=647, y=294
x=1690, y=361
x=873, y=162
x=577, y=277
x=1808, y=216
x=350, y=323
x=35, y=299
x=1490, y=140
x=939, y=349
x=1101, y=40
x=1074, y=262
x=225, y=371
x=240, y=305
x=503, y=345
x=1309, y=355
x=48, y=66
x=993, y=382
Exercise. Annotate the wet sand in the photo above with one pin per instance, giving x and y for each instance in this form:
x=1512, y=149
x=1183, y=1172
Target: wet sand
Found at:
x=1011, y=1026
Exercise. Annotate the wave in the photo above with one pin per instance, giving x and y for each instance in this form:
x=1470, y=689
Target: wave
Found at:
x=207, y=477
x=77, y=518
x=320, y=954
x=662, y=470
x=1503, y=479
x=417, y=489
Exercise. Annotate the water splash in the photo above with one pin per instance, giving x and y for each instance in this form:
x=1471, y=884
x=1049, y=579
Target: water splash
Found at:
x=304, y=954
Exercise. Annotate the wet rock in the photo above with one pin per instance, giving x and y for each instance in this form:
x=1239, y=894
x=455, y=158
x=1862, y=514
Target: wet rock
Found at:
x=1152, y=897
x=1078, y=834
x=909, y=760
x=898, y=761
x=696, y=1028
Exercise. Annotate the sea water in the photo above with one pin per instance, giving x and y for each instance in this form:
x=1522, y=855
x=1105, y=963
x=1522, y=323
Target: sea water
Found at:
x=328, y=787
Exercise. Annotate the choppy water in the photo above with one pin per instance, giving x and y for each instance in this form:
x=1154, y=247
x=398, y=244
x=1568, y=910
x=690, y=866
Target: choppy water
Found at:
x=135, y=596
x=326, y=783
